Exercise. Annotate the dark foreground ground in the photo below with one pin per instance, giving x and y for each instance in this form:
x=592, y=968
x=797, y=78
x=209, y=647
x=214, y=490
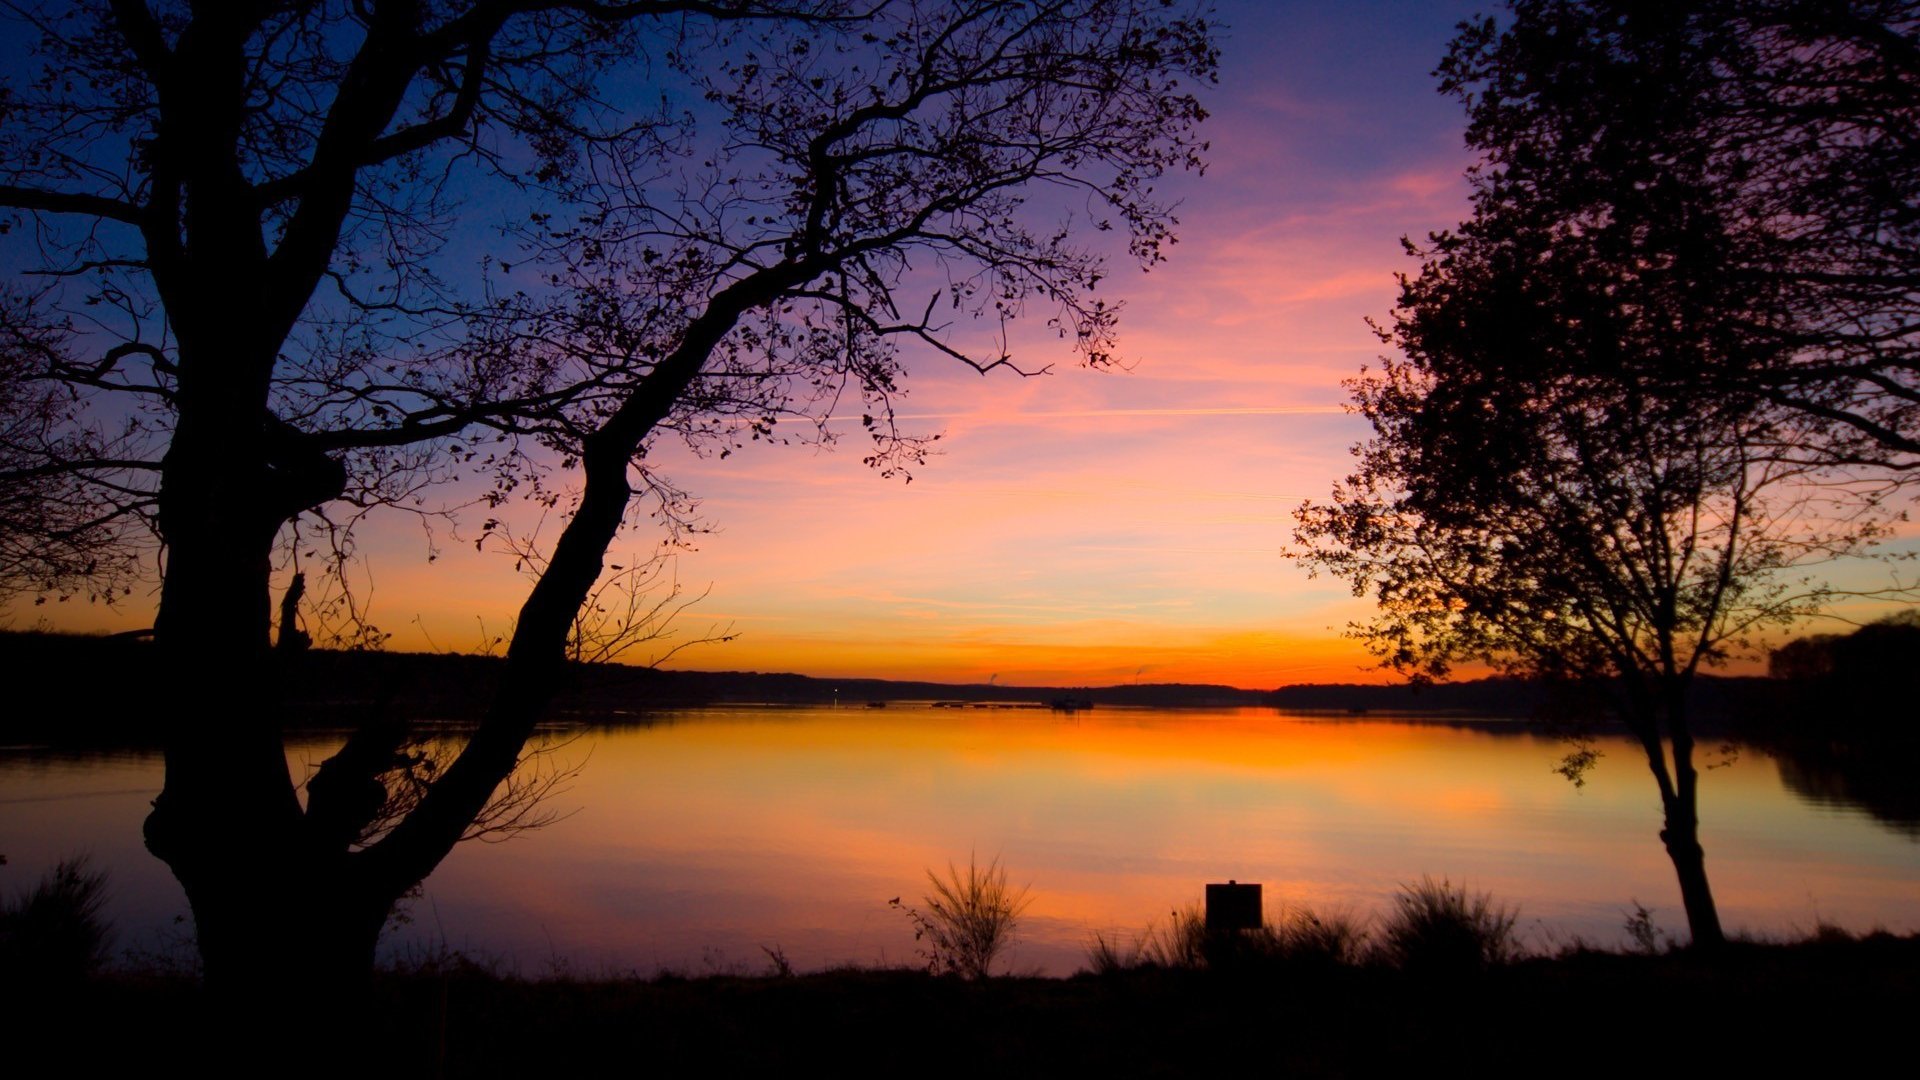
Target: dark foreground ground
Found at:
x=1824, y=1008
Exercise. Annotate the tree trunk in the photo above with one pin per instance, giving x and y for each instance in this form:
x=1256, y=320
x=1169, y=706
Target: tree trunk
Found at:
x=536, y=663
x=1681, y=833
x=269, y=913
x=1682, y=838
x=285, y=917
x=537, y=656
x=1679, y=801
x=262, y=874
x=285, y=928
x=288, y=959
x=289, y=931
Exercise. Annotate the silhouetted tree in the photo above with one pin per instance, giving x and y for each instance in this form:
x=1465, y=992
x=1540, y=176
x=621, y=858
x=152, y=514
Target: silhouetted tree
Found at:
x=713, y=207
x=1854, y=686
x=1803, y=659
x=1840, y=723
x=1534, y=497
x=1668, y=360
x=1793, y=127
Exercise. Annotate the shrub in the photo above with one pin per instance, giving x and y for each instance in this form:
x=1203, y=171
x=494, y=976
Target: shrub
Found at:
x=1112, y=955
x=1310, y=938
x=1301, y=939
x=54, y=931
x=1183, y=944
x=1436, y=927
x=969, y=920
x=1645, y=935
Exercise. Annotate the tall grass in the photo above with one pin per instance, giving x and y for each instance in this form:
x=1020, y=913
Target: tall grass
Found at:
x=1434, y=927
x=1113, y=954
x=1437, y=927
x=55, y=932
x=969, y=919
x=1299, y=939
x=1322, y=939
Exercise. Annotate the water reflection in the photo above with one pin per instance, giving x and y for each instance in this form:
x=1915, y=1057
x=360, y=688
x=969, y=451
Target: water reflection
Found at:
x=1843, y=778
x=698, y=840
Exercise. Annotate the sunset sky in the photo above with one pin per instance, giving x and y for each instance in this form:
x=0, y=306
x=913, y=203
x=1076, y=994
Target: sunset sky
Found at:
x=1083, y=527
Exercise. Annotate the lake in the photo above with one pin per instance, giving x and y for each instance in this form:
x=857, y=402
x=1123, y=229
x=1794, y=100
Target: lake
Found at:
x=697, y=841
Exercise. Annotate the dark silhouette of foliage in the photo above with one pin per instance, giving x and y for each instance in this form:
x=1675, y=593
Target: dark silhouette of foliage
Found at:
x=1828, y=1003
x=1580, y=467
x=1758, y=159
x=1858, y=680
x=1886, y=644
x=66, y=527
x=1300, y=942
x=54, y=933
x=1884, y=649
x=969, y=920
x=716, y=216
x=1438, y=929
x=1803, y=658
x=1839, y=723
x=1554, y=532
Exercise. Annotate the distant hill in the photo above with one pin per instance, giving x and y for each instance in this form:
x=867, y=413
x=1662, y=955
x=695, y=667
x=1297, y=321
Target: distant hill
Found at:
x=1499, y=697
x=1713, y=700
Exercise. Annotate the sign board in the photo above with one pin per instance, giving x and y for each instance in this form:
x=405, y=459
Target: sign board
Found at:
x=1233, y=906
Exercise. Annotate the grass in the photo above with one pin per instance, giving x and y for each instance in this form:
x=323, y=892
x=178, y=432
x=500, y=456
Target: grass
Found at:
x=1183, y=944
x=1841, y=1007
x=1437, y=927
x=968, y=920
x=1434, y=928
x=1113, y=954
x=54, y=932
x=1323, y=939
x=1299, y=939
x=1304, y=995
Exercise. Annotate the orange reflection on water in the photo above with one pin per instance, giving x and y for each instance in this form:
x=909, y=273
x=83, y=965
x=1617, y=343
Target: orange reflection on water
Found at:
x=725, y=831
x=697, y=841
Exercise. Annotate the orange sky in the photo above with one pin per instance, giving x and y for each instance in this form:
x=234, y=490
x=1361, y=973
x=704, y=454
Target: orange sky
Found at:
x=1082, y=527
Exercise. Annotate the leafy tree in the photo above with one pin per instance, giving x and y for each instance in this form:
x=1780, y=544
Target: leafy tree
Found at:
x=1552, y=488
x=1666, y=365
x=1851, y=687
x=720, y=214
x=1793, y=125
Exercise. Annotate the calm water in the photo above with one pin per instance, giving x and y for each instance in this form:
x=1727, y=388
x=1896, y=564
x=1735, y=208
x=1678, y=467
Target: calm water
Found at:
x=694, y=843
